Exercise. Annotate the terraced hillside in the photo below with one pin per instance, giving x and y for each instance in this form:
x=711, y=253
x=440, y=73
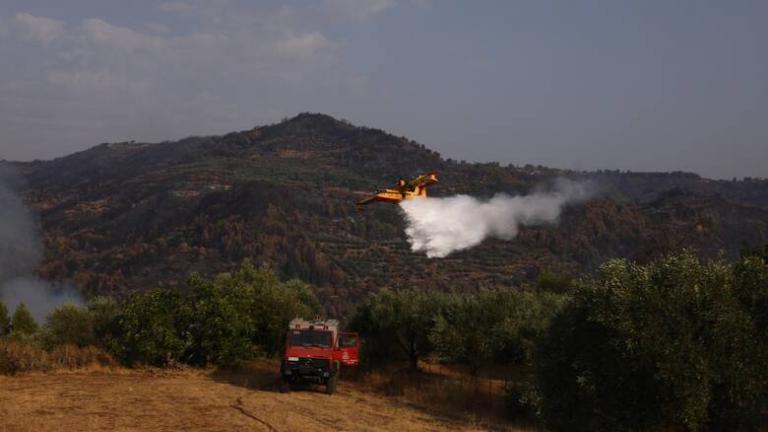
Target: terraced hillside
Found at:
x=128, y=216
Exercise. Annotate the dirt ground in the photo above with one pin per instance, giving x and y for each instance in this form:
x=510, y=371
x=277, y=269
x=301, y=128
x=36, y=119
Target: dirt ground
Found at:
x=126, y=400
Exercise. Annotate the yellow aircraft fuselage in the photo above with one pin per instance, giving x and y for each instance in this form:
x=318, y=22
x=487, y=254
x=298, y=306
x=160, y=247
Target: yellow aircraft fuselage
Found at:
x=416, y=188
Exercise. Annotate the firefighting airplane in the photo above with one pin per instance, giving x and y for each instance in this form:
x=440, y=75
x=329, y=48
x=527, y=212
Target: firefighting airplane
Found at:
x=404, y=190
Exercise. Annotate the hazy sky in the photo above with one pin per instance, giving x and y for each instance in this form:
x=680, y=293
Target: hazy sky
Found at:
x=640, y=85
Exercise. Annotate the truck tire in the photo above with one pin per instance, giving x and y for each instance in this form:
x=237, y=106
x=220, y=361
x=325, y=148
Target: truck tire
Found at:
x=285, y=386
x=330, y=385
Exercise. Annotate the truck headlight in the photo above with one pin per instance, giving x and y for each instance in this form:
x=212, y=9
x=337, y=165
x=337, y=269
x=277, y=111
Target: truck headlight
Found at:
x=293, y=359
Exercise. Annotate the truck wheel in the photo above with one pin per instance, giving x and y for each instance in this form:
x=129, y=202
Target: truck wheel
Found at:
x=330, y=385
x=285, y=386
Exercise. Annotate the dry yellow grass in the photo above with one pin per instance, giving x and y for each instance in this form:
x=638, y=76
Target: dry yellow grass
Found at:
x=21, y=357
x=100, y=399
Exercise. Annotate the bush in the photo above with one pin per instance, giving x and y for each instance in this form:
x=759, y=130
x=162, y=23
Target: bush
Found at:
x=17, y=357
x=75, y=357
x=663, y=346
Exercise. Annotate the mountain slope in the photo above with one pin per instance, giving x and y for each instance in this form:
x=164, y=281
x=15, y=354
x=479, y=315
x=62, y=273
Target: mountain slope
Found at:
x=128, y=216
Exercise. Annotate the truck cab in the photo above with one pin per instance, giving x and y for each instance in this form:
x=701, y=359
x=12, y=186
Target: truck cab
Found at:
x=315, y=351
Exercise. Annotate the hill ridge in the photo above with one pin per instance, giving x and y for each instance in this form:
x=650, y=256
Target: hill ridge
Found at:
x=122, y=217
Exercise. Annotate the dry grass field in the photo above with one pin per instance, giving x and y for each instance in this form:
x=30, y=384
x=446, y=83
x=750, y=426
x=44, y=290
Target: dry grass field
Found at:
x=100, y=399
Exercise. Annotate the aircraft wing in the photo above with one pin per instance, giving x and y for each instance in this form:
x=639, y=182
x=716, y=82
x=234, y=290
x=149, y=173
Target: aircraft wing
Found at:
x=368, y=200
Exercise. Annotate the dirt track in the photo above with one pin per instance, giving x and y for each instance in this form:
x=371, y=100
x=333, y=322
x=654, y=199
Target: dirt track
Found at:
x=197, y=401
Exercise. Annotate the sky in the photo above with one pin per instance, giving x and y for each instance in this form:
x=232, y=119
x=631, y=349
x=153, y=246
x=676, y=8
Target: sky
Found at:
x=632, y=85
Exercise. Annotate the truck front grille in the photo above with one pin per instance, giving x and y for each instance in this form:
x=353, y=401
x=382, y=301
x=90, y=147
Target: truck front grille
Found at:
x=313, y=363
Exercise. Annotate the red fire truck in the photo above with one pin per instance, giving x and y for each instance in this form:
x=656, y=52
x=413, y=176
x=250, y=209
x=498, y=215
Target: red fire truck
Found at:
x=315, y=351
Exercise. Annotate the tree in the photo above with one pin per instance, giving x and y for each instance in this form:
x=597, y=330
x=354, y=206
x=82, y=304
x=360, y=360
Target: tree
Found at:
x=398, y=320
x=216, y=321
x=23, y=325
x=745, y=376
x=493, y=325
x=152, y=328
x=5, y=321
x=751, y=287
x=554, y=282
x=756, y=252
x=68, y=324
x=663, y=346
x=103, y=312
x=220, y=327
x=275, y=306
x=263, y=305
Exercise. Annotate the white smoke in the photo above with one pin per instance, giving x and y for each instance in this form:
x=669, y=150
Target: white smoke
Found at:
x=40, y=296
x=20, y=253
x=440, y=226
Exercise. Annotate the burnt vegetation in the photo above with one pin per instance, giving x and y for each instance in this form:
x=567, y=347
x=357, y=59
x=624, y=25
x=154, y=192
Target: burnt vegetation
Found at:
x=126, y=217
x=643, y=309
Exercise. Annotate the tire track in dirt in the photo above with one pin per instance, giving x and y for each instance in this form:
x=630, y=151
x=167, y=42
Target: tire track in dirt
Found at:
x=239, y=407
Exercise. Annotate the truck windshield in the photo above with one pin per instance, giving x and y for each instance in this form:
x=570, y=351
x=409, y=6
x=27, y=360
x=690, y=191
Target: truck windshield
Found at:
x=310, y=338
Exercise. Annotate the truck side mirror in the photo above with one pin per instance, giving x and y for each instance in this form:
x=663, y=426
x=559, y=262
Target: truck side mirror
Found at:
x=348, y=340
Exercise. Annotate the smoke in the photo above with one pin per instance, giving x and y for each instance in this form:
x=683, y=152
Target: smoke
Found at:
x=440, y=226
x=41, y=297
x=20, y=253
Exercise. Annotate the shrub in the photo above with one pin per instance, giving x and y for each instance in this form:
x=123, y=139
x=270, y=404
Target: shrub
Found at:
x=19, y=357
x=76, y=357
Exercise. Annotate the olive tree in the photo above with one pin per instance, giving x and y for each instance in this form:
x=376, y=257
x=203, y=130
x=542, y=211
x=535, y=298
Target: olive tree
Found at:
x=398, y=321
x=666, y=345
x=5, y=321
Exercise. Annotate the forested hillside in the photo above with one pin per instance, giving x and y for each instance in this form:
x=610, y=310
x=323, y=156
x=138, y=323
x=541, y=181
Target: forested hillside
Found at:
x=126, y=217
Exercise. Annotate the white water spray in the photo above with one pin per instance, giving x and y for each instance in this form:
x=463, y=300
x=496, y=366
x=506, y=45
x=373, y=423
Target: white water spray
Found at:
x=440, y=226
